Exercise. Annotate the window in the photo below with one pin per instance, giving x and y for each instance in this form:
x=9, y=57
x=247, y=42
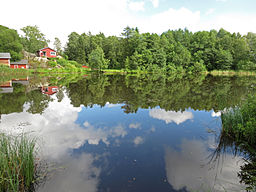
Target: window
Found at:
x=53, y=53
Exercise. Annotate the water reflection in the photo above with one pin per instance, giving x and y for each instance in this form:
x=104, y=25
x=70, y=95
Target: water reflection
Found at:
x=112, y=133
x=171, y=116
x=189, y=168
x=78, y=174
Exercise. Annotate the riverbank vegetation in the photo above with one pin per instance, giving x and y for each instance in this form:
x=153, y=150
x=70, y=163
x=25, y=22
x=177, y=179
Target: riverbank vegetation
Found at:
x=5, y=71
x=239, y=134
x=17, y=163
x=173, y=51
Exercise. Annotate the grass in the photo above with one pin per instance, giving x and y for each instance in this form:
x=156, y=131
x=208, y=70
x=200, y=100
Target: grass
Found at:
x=17, y=163
x=239, y=133
x=231, y=73
x=4, y=70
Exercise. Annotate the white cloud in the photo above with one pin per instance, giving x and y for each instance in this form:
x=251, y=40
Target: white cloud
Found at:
x=138, y=140
x=136, y=6
x=171, y=116
x=190, y=168
x=172, y=19
x=233, y=22
x=217, y=114
x=210, y=11
x=110, y=105
x=155, y=3
x=135, y=126
x=57, y=130
x=79, y=174
x=222, y=0
x=112, y=16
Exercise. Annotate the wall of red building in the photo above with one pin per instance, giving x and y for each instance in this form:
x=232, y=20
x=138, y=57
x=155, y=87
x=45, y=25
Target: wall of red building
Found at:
x=4, y=61
x=48, y=52
x=19, y=66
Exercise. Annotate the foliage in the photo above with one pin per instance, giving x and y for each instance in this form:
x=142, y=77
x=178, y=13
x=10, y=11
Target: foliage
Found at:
x=178, y=50
x=239, y=130
x=97, y=60
x=241, y=122
x=33, y=40
x=10, y=42
x=5, y=70
x=17, y=163
x=57, y=45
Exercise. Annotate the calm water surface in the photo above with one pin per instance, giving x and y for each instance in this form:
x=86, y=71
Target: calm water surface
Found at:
x=125, y=133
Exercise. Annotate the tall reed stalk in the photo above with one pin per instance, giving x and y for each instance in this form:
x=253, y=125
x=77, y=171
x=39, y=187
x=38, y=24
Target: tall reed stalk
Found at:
x=17, y=163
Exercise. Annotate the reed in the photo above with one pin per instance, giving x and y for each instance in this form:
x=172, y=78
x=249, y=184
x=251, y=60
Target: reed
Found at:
x=17, y=163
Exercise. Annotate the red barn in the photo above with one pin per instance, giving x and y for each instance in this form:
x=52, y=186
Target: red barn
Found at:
x=23, y=64
x=5, y=59
x=47, y=52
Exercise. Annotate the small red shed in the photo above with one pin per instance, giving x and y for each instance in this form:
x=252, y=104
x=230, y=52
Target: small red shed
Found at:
x=47, y=52
x=5, y=59
x=22, y=64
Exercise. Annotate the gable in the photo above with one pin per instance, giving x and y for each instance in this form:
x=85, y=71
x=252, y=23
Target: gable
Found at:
x=47, y=49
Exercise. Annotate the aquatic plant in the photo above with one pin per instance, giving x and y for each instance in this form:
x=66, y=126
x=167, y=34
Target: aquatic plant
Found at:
x=240, y=122
x=239, y=134
x=17, y=163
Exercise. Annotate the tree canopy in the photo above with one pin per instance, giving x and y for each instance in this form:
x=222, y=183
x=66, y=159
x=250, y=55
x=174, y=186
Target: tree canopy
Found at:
x=173, y=50
x=10, y=42
x=33, y=40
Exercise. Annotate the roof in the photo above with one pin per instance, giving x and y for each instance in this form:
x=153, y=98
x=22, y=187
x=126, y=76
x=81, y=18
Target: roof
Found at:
x=21, y=62
x=5, y=56
x=47, y=48
x=6, y=90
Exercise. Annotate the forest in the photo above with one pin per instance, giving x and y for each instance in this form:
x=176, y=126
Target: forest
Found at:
x=172, y=51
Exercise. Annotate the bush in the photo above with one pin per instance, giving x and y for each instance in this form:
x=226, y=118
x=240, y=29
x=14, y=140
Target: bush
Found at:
x=52, y=63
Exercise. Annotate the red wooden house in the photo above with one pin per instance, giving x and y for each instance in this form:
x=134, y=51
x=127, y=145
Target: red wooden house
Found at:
x=50, y=90
x=6, y=87
x=5, y=59
x=47, y=52
x=23, y=64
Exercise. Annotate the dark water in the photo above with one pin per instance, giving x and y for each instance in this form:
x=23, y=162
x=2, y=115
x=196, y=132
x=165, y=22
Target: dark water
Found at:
x=127, y=133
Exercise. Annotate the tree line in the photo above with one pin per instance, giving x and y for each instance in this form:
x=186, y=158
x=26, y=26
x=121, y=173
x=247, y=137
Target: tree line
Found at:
x=172, y=51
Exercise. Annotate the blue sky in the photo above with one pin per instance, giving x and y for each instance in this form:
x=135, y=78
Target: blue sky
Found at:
x=59, y=18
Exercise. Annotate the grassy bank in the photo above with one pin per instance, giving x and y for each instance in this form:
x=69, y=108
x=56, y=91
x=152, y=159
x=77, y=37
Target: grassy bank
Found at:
x=240, y=123
x=239, y=134
x=232, y=73
x=5, y=70
x=17, y=163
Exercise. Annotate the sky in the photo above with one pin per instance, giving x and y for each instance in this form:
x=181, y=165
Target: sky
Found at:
x=59, y=18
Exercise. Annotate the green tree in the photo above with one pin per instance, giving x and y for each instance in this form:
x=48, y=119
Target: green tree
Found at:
x=10, y=42
x=71, y=48
x=224, y=60
x=57, y=45
x=97, y=59
x=33, y=40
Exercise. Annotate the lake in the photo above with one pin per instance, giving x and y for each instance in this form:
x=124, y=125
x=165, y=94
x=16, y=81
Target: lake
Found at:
x=128, y=133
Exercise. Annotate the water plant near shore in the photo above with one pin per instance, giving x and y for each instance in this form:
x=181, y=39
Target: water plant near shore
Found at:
x=17, y=163
x=239, y=134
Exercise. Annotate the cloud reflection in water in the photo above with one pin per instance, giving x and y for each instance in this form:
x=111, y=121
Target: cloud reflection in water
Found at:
x=190, y=168
x=171, y=116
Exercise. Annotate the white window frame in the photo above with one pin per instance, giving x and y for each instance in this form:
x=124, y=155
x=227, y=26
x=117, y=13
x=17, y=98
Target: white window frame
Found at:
x=53, y=53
